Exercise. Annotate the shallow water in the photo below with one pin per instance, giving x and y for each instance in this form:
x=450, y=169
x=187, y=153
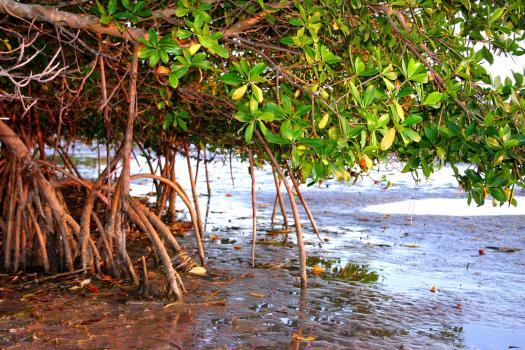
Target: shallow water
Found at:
x=375, y=292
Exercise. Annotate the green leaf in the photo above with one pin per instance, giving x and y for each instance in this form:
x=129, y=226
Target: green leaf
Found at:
x=127, y=5
x=220, y=50
x=181, y=71
x=145, y=52
x=253, y=105
x=257, y=93
x=105, y=19
x=411, y=134
x=231, y=79
x=184, y=34
x=313, y=142
x=413, y=120
x=152, y=37
x=276, y=139
x=498, y=194
x=328, y=57
x=242, y=117
x=182, y=11
x=399, y=111
x=368, y=98
x=496, y=14
x=257, y=69
x=154, y=59
x=267, y=116
x=359, y=65
x=101, y=8
x=112, y=6
x=432, y=99
x=355, y=93
x=163, y=56
x=248, y=135
x=174, y=82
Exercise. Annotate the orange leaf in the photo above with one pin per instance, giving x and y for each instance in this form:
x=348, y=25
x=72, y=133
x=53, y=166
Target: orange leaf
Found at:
x=92, y=288
x=298, y=337
x=317, y=270
x=162, y=70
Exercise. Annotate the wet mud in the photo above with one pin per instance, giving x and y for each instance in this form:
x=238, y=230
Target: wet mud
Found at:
x=377, y=281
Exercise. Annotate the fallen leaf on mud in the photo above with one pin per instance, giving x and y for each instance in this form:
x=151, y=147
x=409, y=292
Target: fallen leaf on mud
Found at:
x=482, y=251
x=92, y=288
x=228, y=195
x=298, y=337
x=237, y=247
x=214, y=238
x=94, y=320
x=198, y=271
x=107, y=278
x=504, y=249
x=434, y=289
x=85, y=282
x=257, y=295
x=277, y=232
x=317, y=270
x=272, y=265
x=411, y=245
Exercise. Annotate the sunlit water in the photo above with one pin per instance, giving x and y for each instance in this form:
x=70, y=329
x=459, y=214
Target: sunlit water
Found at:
x=385, y=251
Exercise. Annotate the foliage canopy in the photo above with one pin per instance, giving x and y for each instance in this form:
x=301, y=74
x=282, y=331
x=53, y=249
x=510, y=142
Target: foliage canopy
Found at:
x=334, y=86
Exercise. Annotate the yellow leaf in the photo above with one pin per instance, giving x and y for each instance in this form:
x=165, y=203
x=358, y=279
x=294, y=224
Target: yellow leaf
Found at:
x=198, y=271
x=324, y=94
x=434, y=289
x=388, y=139
x=6, y=43
x=317, y=270
x=335, y=26
x=257, y=295
x=239, y=93
x=324, y=121
x=214, y=238
x=399, y=110
x=368, y=162
x=194, y=48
